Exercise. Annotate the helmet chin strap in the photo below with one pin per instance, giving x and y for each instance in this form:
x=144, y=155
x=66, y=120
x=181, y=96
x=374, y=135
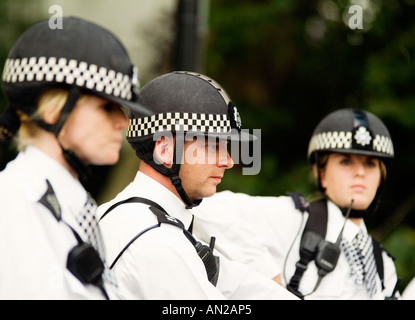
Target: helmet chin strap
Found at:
x=83, y=171
x=69, y=155
x=361, y=213
x=371, y=209
x=177, y=183
x=175, y=179
x=172, y=173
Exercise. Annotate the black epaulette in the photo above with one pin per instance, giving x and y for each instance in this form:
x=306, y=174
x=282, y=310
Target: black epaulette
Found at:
x=83, y=260
x=50, y=201
x=299, y=201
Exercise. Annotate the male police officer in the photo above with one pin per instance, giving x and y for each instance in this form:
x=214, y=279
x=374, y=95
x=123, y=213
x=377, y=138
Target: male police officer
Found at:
x=148, y=225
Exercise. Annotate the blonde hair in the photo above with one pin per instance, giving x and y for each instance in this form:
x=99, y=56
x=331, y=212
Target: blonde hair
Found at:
x=50, y=100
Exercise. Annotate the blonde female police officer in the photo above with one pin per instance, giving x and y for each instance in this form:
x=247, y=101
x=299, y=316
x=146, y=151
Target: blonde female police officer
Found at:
x=312, y=248
x=65, y=88
x=148, y=226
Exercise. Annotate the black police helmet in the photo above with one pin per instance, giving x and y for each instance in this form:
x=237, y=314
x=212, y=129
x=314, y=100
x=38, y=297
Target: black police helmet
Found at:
x=186, y=102
x=183, y=102
x=81, y=54
x=352, y=131
x=356, y=132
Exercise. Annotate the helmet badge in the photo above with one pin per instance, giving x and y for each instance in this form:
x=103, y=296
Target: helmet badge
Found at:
x=234, y=117
x=237, y=118
x=135, y=82
x=362, y=136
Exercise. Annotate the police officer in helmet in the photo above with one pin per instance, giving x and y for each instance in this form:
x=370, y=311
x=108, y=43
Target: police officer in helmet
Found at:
x=318, y=250
x=148, y=226
x=65, y=89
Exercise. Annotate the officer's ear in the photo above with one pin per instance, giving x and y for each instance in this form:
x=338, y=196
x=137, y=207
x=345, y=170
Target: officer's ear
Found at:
x=164, y=150
x=315, y=172
x=50, y=104
x=51, y=116
x=323, y=182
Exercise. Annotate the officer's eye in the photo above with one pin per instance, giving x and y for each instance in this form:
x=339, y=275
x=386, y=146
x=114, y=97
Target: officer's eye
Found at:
x=111, y=107
x=212, y=147
x=344, y=161
x=371, y=163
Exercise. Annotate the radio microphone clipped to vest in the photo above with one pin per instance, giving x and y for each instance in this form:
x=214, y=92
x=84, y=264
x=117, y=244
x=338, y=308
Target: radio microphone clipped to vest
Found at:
x=313, y=246
x=328, y=252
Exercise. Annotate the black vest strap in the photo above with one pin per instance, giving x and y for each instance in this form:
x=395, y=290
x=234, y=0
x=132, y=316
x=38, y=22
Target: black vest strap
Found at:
x=314, y=231
x=318, y=217
x=132, y=200
x=210, y=261
x=377, y=251
x=161, y=214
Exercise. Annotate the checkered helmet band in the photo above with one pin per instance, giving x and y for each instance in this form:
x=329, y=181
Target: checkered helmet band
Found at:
x=71, y=72
x=179, y=121
x=352, y=131
x=346, y=140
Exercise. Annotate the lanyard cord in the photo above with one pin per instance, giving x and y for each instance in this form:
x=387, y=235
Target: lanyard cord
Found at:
x=291, y=247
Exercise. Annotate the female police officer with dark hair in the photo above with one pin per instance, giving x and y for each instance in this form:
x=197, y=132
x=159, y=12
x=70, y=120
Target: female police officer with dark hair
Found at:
x=65, y=88
x=318, y=250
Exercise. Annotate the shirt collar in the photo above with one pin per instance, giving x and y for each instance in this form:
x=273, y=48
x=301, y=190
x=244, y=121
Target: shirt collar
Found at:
x=146, y=187
x=337, y=218
x=68, y=190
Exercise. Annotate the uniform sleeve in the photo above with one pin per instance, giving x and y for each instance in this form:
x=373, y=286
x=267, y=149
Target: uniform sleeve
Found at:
x=409, y=293
x=239, y=281
x=253, y=230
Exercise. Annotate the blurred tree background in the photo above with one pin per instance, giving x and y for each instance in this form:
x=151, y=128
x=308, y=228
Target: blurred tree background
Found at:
x=287, y=64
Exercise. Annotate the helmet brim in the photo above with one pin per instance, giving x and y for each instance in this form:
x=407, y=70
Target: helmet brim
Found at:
x=135, y=107
x=239, y=136
x=234, y=135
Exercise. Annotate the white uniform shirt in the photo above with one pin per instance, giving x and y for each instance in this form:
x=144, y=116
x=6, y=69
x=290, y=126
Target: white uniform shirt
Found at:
x=260, y=231
x=34, y=246
x=162, y=263
x=409, y=293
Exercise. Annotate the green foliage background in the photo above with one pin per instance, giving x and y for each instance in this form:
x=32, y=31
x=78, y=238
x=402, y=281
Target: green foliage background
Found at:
x=286, y=64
